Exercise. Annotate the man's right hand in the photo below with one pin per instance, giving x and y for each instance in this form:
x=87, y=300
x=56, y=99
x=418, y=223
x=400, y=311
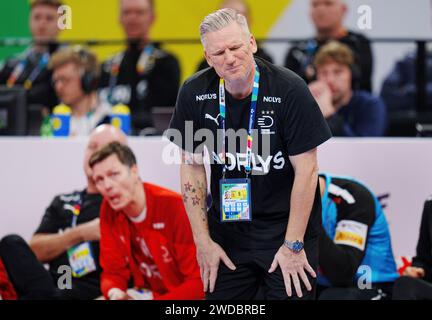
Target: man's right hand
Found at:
x=323, y=96
x=209, y=254
x=90, y=231
x=414, y=272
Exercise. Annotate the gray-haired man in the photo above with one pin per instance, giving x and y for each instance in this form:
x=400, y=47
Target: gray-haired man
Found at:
x=266, y=208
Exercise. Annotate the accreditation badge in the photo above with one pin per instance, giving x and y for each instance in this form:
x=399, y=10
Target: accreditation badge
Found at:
x=235, y=200
x=81, y=260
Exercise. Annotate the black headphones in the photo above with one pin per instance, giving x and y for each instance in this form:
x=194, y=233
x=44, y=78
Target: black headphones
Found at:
x=356, y=72
x=356, y=76
x=89, y=79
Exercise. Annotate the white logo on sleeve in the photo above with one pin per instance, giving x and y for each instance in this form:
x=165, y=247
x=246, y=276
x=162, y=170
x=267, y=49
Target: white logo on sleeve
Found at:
x=351, y=233
x=210, y=117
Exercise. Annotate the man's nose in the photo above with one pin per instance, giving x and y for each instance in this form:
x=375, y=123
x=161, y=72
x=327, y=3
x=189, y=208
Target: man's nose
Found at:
x=107, y=185
x=330, y=79
x=229, y=57
x=58, y=85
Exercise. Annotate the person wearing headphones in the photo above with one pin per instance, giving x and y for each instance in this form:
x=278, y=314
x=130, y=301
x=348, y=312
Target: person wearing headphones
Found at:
x=75, y=80
x=349, y=112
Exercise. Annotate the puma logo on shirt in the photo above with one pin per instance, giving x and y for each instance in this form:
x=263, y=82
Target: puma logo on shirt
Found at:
x=210, y=117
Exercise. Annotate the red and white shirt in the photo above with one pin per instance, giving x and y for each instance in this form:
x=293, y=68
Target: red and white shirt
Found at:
x=159, y=252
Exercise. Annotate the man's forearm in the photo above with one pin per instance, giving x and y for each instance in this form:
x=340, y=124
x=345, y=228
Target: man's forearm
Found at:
x=194, y=193
x=338, y=263
x=49, y=246
x=302, y=198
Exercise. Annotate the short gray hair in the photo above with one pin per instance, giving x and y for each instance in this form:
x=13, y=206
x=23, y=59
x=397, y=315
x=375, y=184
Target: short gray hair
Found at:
x=220, y=19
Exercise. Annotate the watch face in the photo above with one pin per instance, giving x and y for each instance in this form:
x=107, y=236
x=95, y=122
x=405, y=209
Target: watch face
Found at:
x=297, y=246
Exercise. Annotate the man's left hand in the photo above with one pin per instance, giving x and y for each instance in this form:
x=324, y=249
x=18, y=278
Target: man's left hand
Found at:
x=293, y=266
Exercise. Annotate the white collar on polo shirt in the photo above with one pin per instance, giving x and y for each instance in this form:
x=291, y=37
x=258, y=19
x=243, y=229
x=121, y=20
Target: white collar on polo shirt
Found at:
x=140, y=218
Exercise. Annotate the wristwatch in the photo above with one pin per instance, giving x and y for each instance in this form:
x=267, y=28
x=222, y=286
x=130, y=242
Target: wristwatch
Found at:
x=294, y=246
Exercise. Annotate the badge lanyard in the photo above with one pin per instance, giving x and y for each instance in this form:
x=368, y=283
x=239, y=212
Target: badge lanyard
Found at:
x=222, y=110
x=43, y=62
x=76, y=211
x=16, y=73
x=140, y=67
x=19, y=69
x=80, y=256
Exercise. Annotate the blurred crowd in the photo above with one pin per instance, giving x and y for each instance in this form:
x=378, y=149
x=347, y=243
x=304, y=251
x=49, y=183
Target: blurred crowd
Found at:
x=336, y=62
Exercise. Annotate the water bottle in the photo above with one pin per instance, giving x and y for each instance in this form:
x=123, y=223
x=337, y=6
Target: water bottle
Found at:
x=121, y=118
x=60, y=120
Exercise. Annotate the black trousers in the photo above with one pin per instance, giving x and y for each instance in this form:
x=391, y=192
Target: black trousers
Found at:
x=32, y=281
x=407, y=288
x=251, y=280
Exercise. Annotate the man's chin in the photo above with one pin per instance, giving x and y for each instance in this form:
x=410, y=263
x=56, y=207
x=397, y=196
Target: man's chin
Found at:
x=117, y=206
x=234, y=76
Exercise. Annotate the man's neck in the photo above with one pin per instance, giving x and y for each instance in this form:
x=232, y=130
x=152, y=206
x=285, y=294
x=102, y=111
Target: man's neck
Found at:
x=334, y=33
x=242, y=88
x=138, y=204
x=139, y=44
x=44, y=45
x=82, y=107
x=40, y=49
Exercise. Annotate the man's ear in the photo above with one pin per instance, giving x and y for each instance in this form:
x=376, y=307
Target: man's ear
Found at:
x=207, y=57
x=344, y=10
x=134, y=170
x=253, y=44
x=153, y=18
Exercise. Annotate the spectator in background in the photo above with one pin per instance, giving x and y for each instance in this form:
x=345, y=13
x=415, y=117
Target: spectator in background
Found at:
x=327, y=17
x=144, y=75
x=29, y=69
x=349, y=113
x=355, y=234
x=67, y=236
x=417, y=281
x=145, y=233
x=399, y=89
x=240, y=6
x=75, y=78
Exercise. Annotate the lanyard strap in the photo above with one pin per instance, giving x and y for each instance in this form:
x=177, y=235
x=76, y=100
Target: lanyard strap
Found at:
x=222, y=111
x=76, y=209
x=20, y=67
x=43, y=62
x=144, y=59
x=16, y=73
x=140, y=67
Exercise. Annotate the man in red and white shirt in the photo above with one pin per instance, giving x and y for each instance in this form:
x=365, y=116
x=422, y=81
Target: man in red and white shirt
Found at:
x=145, y=233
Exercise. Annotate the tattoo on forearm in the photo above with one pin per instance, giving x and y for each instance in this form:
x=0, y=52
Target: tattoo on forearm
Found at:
x=185, y=198
x=195, y=200
x=194, y=194
x=187, y=187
